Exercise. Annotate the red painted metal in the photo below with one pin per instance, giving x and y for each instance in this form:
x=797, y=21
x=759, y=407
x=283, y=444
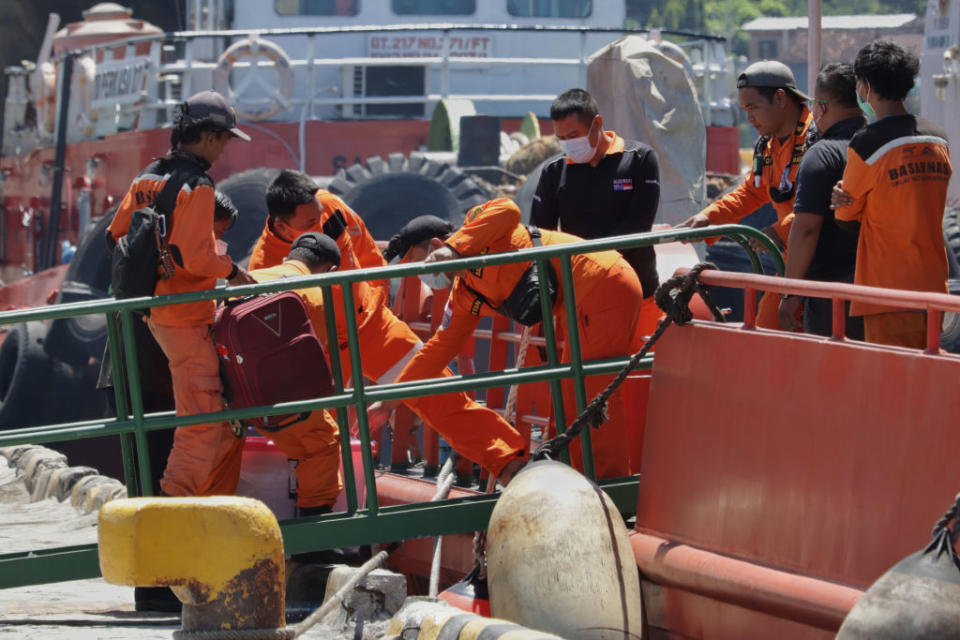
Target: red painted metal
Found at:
x=414, y=556
x=813, y=460
x=839, y=319
x=723, y=150
x=34, y=291
x=791, y=596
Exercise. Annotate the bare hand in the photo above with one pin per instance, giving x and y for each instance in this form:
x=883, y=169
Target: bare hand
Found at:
x=442, y=254
x=379, y=414
x=789, y=312
x=771, y=233
x=696, y=221
x=839, y=197
x=242, y=277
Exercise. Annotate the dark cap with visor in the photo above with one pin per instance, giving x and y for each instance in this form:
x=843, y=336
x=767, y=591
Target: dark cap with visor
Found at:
x=323, y=247
x=416, y=231
x=770, y=74
x=210, y=105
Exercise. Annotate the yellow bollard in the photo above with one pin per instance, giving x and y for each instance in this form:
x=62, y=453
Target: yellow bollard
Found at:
x=221, y=555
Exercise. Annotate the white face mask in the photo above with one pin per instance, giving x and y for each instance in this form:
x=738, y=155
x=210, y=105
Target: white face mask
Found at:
x=436, y=281
x=579, y=150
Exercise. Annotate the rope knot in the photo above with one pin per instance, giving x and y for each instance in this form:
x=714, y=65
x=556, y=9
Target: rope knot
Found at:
x=674, y=295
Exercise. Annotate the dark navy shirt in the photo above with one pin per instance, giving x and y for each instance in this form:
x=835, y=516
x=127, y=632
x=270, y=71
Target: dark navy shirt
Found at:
x=618, y=196
x=822, y=166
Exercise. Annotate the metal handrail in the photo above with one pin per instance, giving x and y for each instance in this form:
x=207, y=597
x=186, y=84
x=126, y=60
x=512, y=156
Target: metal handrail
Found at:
x=839, y=292
x=131, y=421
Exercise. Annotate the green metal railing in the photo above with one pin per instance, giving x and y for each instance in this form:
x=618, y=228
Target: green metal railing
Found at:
x=357, y=526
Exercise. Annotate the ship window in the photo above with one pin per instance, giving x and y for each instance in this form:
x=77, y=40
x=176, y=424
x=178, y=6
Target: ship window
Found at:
x=550, y=8
x=316, y=7
x=434, y=7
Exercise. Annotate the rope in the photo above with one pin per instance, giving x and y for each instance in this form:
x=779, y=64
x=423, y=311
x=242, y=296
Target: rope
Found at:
x=511, y=405
x=673, y=296
x=444, y=483
x=373, y=563
x=943, y=522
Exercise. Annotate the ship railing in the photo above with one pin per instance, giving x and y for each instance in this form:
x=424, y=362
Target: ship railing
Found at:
x=934, y=304
x=371, y=523
x=167, y=83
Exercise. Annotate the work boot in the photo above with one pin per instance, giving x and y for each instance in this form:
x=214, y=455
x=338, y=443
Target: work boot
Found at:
x=156, y=599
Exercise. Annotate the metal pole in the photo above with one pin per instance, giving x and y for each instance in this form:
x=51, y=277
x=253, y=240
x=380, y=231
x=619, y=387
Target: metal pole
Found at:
x=136, y=401
x=127, y=446
x=813, y=44
x=556, y=390
x=49, y=256
x=346, y=447
x=373, y=503
x=576, y=361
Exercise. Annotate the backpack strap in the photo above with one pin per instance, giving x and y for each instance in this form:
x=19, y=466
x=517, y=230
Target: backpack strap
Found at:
x=166, y=200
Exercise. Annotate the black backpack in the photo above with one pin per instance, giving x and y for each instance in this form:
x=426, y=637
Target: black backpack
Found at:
x=523, y=303
x=142, y=256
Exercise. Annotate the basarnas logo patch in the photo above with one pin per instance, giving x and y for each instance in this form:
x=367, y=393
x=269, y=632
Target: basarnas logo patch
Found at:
x=623, y=184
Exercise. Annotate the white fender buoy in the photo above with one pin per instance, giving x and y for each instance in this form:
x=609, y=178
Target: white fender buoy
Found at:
x=558, y=557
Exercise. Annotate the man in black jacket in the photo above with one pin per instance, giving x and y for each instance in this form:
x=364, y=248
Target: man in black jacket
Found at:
x=603, y=186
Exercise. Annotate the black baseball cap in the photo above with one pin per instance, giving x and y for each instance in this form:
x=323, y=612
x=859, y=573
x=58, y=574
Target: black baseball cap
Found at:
x=416, y=231
x=323, y=247
x=210, y=105
x=770, y=73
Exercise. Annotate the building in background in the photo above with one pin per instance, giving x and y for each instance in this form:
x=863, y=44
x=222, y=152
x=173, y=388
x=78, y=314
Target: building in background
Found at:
x=785, y=39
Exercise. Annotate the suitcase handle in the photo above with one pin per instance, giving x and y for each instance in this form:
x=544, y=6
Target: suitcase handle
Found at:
x=299, y=418
x=232, y=302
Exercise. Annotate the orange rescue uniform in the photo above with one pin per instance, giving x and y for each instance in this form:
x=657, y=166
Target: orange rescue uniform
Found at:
x=609, y=299
x=387, y=344
x=897, y=173
x=201, y=461
x=780, y=162
x=314, y=442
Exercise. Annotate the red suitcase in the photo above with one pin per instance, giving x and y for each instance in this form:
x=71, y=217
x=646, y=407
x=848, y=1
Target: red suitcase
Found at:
x=269, y=353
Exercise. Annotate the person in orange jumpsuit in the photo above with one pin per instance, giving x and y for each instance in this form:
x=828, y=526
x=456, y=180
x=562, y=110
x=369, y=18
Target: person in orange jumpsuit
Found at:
x=608, y=295
x=387, y=344
x=894, y=190
x=201, y=461
x=314, y=443
x=779, y=113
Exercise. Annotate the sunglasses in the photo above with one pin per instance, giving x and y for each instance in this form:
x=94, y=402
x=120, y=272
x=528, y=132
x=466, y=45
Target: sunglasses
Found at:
x=812, y=102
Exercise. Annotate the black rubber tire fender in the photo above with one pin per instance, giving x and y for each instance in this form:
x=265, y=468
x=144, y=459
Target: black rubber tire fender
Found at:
x=79, y=339
x=524, y=195
x=25, y=376
x=389, y=193
x=248, y=190
x=951, y=238
x=950, y=334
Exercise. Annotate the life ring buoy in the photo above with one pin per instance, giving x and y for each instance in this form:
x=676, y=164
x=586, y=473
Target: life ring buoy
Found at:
x=254, y=48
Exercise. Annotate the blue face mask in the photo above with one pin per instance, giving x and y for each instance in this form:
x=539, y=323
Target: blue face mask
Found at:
x=865, y=106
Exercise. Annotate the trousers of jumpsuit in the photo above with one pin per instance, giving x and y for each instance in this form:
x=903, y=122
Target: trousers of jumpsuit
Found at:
x=607, y=319
x=206, y=458
x=387, y=344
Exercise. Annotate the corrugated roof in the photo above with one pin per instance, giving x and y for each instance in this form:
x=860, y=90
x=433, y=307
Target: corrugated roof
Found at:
x=831, y=22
